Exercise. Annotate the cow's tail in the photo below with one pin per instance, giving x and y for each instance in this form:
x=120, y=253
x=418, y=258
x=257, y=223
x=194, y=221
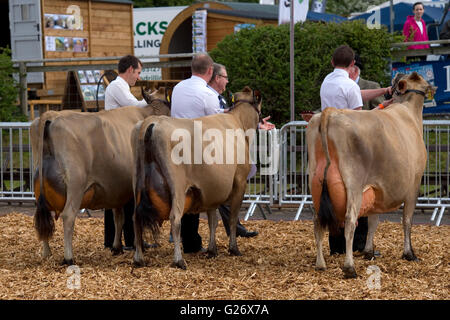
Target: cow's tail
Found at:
x=43, y=219
x=146, y=215
x=326, y=215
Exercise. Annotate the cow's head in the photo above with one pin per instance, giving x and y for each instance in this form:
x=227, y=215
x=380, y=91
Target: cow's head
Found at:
x=414, y=83
x=158, y=97
x=250, y=96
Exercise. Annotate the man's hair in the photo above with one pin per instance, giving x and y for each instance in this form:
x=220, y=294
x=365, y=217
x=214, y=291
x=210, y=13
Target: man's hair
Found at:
x=343, y=56
x=217, y=70
x=417, y=3
x=128, y=61
x=201, y=62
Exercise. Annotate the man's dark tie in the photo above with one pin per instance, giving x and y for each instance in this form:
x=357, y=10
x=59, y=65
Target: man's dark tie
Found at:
x=223, y=102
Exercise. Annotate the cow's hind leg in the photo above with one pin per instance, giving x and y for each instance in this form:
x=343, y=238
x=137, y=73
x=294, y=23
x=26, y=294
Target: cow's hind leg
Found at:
x=212, y=223
x=408, y=212
x=368, y=249
x=318, y=235
x=119, y=219
x=68, y=215
x=175, y=220
x=354, y=200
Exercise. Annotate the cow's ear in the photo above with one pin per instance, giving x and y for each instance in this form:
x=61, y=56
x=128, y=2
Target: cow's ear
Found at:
x=147, y=97
x=247, y=89
x=162, y=90
x=430, y=91
x=414, y=76
x=257, y=96
x=402, y=86
x=169, y=94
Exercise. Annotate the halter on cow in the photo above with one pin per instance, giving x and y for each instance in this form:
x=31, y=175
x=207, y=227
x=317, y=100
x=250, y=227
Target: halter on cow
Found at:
x=362, y=163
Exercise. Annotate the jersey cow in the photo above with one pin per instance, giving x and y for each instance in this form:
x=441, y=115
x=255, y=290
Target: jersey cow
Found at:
x=362, y=163
x=84, y=160
x=193, y=165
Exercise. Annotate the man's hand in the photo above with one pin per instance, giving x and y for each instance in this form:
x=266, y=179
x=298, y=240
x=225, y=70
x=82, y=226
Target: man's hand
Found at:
x=265, y=125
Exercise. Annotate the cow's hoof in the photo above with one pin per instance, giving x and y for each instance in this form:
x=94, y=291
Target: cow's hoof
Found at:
x=368, y=255
x=212, y=254
x=179, y=264
x=68, y=262
x=349, y=272
x=235, y=252
x=116, y=251
x=138, y=263
x=410, y=256
x=320, y=268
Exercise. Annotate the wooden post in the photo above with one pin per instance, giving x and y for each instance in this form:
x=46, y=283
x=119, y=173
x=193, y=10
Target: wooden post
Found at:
x=23, y=87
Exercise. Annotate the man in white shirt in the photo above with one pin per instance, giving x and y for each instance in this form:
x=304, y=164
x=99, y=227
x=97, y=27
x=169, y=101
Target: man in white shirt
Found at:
x=191, y=98
x=118, y=93
x=341, y=92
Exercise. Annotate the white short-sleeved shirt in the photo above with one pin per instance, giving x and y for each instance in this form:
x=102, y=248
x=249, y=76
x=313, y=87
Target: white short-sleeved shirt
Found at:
x=339, y=91
x=118, y=94
x=191, y=98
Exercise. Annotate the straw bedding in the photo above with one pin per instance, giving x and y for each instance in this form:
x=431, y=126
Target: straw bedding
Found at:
x=277, y=264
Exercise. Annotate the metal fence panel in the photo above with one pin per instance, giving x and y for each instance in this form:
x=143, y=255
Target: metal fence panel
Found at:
x=16, y=175
x=282, y=165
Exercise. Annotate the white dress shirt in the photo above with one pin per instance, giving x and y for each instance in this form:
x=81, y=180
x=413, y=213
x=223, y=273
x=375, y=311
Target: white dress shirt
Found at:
x=118, y=94
x=339, y=91
x=191, y=98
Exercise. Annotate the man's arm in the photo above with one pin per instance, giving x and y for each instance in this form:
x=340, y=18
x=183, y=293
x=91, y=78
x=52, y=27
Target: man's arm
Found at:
x=125, y=98
x=369, y=94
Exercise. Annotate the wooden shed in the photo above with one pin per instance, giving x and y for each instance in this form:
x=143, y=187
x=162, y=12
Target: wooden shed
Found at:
x=69, y=29
x=222, y=18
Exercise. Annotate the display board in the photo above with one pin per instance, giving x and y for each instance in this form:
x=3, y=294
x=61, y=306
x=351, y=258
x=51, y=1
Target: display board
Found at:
x=83, y=89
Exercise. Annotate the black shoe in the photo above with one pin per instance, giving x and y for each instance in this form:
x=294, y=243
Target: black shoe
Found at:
x=248, y=234
x=201, y=250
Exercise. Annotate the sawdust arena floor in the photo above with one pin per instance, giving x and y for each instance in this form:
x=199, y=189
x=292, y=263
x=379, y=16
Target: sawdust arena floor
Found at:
x=277, y=264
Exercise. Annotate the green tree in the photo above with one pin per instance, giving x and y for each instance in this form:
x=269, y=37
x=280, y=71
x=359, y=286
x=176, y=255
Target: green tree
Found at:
x=260, y=58
x=9, y=110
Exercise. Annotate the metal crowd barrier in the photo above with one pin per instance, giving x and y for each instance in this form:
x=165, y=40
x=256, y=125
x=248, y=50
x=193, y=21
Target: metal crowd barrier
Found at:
x=16, y=177
x=281, y=177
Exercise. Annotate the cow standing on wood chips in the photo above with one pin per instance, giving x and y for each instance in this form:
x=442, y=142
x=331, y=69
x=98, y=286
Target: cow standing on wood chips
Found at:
x=85, y=160
x=171, y=181
x=362, y=163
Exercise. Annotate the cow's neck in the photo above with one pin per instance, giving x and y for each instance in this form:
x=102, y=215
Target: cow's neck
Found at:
x=247, y=116
x=415, y=105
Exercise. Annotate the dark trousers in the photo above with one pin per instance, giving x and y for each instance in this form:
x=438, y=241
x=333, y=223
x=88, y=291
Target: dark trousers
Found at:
x=337, y=242
x=225, y=211
x=128, y=228
x=191, y=240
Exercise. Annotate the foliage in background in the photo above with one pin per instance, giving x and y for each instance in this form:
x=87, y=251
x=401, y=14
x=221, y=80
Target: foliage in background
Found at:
x=260, y=58
x=9, y=109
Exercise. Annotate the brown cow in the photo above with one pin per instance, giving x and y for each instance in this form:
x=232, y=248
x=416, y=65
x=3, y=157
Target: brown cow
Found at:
x=166, y=187
x=368, y=162
x=85, y=160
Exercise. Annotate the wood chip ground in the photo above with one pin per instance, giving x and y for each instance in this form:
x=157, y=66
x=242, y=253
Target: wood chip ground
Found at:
x=277, y=264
